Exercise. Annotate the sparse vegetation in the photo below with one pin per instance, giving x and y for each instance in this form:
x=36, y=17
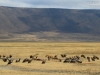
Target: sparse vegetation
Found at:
x=26, y=49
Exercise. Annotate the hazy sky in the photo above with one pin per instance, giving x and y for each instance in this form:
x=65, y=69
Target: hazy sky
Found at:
x=70, y=4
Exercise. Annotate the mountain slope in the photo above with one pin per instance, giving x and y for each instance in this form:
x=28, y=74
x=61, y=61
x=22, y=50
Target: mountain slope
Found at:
x=28, y=20
x=63, y=20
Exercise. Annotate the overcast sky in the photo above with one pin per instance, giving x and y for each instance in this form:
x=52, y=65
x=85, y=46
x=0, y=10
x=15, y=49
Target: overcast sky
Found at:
x=66, y=4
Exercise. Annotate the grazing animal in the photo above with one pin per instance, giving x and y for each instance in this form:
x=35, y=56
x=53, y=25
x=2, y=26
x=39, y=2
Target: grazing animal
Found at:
x=77, y=57
x=55, y=57
x=49, y=57
x=67, y=60
x=10, y=56
x=83, y=56
x=17, y=60
x=31, y=56
x=4, y=56
x=73, y=61
x=25, y=60
x=63, y=55
x=95, y=57
x=30, y=60
x=0, y=56
x=9, y=61
x=92, y=58
x=43, y=62
x=5, y=59
x=79, y=61
x=88, y=58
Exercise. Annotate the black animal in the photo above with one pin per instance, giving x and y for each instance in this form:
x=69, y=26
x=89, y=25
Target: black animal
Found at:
x=88, y=58
x=79, y=61
x=25, y=60
x=83, y=56
x=30, y=60
x=43, y=62
x=63, y=55
x=92, y=58
x=9, y=61
x=18, y=60
x=67, y=60
x=0, y=56
x=96, y=57
x=31, y=56
x=10, y=56
x=73, y=61
x=5, y=59
x=55, y=57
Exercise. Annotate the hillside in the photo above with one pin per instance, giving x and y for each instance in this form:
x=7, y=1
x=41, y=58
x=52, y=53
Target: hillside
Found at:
x=59, y=23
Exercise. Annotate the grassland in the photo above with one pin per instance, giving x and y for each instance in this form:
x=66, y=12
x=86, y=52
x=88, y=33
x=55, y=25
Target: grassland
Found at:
x=25, y=49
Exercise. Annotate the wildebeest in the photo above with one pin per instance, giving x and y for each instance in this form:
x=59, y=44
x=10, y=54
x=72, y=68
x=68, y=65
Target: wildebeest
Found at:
x=18, y=60
x=55, y=57
x=88, y=58
x=95, y=57
x=25, y=60
x=31, y=56
x=29, y=60
x=10, y=56
x=0, y=56
x=67, y=60
x=79, y=61
x=4, y=56
x=63, y=55
x=92, y=58
x=9, y=61
x=83, y=56
x=4, y=59
x=73, y=61
x=43, y=62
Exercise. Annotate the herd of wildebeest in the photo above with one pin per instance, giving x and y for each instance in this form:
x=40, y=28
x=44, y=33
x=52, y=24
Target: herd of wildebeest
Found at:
x=63, y=58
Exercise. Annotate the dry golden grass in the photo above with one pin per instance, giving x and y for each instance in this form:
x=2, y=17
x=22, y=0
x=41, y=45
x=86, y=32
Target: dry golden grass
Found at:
x=25, y=49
